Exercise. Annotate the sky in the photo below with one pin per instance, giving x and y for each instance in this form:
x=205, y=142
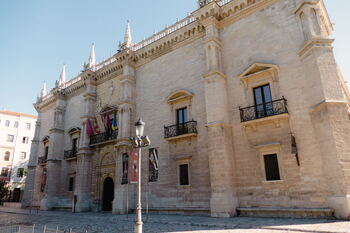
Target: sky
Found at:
x=38, y=36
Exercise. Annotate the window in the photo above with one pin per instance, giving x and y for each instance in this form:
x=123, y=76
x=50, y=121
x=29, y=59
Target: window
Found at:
x=23, y=155
x=4, y=171
x=7, y=123
x=46, y=151
x=20, y=172
x=153, y=165
x=183, y=174
x=271, y=167
x=181, y=116
x=25, y=140
x=28, y=126
x=10, y=138
x=74, y=145
x=71, y=184
x=16, y=124
x=7, y=156
x=125, y=168
x=263, y=101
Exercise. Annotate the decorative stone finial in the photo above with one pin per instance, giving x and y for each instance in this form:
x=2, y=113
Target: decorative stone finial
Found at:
x=127, y=38
x=62, y=79
x=92, y=58
x=43, y=90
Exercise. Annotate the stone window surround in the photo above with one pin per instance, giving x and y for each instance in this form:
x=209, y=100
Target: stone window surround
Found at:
x=266, y=149
x=45, y=143
x=74, y=133
x=251, y=79
x=180, y=99
x=180, y=160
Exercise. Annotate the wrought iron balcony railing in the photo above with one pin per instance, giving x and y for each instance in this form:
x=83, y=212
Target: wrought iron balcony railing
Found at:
x=103, y=137
x=42, y=160
x=189, y=127
x=259, y=111
x=70, y=154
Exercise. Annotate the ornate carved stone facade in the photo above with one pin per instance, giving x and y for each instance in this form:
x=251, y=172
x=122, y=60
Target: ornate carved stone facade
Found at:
x=242, y=99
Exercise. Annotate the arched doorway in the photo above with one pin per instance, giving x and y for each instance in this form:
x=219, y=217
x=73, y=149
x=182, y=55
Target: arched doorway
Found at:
x=108, y=194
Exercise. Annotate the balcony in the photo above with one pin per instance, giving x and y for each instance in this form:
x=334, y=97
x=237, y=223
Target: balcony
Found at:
x=103, y=137
x=180, y=130
x=42, y=160
x=70, y=154
x=266, y=110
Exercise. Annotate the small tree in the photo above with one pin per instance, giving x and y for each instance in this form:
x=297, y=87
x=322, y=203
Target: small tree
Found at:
x=3, y=190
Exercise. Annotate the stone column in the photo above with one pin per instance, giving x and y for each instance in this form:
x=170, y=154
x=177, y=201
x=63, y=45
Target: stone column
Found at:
x=123, y=193
x=223, y=202
x=55, y=156
x=328, y=109
x=29, y=190
x=84, y=156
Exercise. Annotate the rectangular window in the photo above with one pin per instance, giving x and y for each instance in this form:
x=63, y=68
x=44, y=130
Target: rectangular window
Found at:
x=16, y=124
x=125, y=162
x=4, y=171
x=23, y=155
x=271, y=167
x=46, y=151
x=10, y=138
x=20, y=172
x=75, y=145
x=71, y=184
x=25, y=140
x=263, y=101
x=153, y=165
x=183, y=174
x=181, y=116
x=28, y=126
x=7, y=123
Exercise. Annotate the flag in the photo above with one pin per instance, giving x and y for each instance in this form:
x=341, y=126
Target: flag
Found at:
x=115, y=121
x=89, y=130
x=96, y=128
x=108, y=122
x=103, y=123
x=134, y=167
x=100, y=124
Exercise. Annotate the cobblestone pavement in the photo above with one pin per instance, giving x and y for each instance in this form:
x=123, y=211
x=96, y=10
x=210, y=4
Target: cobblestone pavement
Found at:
x=108, y=223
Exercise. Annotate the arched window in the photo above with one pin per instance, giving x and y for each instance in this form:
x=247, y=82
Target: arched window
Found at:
x=7, y=156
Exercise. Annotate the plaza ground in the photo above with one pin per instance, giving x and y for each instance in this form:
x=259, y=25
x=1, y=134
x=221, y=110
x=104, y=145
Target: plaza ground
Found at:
x=154, y=223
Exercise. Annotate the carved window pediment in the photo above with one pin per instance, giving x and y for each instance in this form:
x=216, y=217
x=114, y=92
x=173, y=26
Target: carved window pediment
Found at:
x=179, y=95
x=257, y=71
x=108, y=109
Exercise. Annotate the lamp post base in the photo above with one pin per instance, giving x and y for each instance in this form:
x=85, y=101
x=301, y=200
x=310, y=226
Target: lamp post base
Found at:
x=138, y=227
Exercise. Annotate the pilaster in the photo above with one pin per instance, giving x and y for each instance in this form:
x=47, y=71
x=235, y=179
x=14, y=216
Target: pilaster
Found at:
x=55, y=155
x=32, y=165
x=84, y=157
x=327, y=102
x=223, y=202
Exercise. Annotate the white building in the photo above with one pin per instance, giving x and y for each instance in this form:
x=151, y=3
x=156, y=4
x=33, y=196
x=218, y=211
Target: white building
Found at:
x=16, y=133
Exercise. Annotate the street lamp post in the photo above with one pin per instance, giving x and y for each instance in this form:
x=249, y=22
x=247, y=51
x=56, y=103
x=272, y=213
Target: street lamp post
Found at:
x=139, y=142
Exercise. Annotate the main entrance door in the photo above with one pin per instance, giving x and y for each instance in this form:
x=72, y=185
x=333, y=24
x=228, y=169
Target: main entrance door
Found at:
x=108, y=194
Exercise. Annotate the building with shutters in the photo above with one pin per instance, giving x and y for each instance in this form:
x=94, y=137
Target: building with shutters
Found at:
x=16, y=133
x=244, y=104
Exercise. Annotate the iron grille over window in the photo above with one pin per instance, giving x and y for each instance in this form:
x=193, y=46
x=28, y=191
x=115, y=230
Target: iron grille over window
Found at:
x=103, y=137
x=125, y=168
x=267, y=109
x=180, y=129
x=153, y=170
x=69, y=154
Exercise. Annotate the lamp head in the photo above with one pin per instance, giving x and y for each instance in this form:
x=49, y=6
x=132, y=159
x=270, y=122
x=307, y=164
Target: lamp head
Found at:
x=139, y=125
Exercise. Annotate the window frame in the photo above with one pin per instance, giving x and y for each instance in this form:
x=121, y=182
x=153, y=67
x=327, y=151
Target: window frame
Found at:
x=16, y=124
x=267, y=173
x=7, y=153
x=71, y=185
x=7, y=138
x=28, y=125
x=267, y=149
x=183, y=160
x=7, y=123
x=25, y=155
x=20, y=174
x=4, y=169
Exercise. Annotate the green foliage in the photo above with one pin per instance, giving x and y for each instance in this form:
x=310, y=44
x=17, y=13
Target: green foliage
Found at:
x=3, y=189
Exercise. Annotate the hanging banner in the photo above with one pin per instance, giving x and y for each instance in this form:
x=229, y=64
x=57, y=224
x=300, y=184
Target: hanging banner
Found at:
x=134, y=167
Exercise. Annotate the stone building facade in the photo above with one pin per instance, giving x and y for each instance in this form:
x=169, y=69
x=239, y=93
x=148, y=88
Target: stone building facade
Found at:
x=16, y=133
x=243, y=102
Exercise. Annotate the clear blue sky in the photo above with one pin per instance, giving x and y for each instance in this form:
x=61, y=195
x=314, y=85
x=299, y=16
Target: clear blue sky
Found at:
x=38, y=36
